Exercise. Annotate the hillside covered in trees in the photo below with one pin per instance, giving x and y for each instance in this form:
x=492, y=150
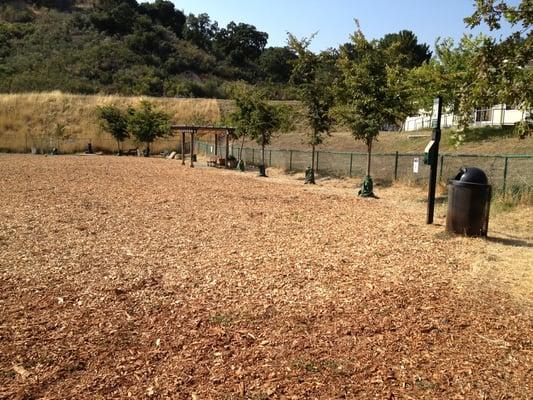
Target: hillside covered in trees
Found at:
x=120, y=46
x=123, y=47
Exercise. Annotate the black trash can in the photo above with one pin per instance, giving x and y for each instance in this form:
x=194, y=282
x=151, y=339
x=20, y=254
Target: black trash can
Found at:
x=469, y=197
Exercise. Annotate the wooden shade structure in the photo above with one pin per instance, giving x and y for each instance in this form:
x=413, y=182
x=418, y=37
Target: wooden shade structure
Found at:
x=193, y=130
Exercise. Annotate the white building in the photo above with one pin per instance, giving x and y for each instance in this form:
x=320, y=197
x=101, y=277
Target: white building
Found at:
x=498, y=115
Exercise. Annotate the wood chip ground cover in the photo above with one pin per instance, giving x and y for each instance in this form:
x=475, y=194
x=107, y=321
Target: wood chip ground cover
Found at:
x=140, y=278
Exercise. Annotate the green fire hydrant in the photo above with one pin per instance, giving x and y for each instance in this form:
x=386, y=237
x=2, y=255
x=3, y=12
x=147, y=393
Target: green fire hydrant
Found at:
x=309, y=176
x=367, y=189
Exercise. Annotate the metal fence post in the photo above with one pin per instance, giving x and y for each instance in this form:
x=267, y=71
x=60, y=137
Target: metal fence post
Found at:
x=253, y=156
x=441, y=167
x=270, y=159
x=290, y=160
x=316, y=169
x=505, y=166
x=351, y=164
x=395, y=167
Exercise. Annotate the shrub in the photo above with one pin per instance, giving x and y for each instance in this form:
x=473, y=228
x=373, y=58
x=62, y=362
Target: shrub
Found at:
x=147, y=124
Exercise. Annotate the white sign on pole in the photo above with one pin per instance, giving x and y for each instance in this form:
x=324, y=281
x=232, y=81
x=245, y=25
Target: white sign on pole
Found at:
x=416, y=163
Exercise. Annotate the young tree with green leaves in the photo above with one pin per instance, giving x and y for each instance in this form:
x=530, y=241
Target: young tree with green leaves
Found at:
x=259, y=120
x=502, y=70
x=241, y=118
x=480, y=72
x=314, y=81
x=147, y=124
x=114, y=121
x=366, y=98
x=447, y=74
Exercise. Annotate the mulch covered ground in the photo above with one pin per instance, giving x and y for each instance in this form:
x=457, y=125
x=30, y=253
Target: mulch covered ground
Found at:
x=132, y=277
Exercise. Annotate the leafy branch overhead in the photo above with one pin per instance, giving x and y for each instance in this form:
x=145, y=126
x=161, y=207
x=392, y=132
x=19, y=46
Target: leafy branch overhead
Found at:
x=480, y=72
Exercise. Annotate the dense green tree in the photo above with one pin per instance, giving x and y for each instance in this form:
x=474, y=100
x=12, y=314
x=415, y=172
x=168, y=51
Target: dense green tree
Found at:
x=200, y=30
x=150, y=40
x=114, y=121
x=365, y=100
x=115, y=17
x=163, y=12
x=402, y=49
x=240, y=43
x=275, y=64
x=147, y=124
x=314, y=81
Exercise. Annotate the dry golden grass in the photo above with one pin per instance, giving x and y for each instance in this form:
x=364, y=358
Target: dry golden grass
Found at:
x=389, y=142
x=502, y=262
x=27, y=120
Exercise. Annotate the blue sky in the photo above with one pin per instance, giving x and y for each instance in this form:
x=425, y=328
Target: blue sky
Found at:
x=333, y=19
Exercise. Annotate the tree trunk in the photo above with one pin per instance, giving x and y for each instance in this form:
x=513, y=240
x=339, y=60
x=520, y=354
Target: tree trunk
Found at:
x=262, y=167
x=369, y=157
x=242, y=146
x=313, y=158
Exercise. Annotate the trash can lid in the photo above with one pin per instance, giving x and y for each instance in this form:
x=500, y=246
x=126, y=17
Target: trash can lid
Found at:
x=472, y=175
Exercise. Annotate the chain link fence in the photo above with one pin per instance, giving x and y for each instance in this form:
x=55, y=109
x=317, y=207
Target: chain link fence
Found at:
x=44, y=144
x=507, y=173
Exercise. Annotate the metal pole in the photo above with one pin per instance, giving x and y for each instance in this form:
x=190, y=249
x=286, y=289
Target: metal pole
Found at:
x=270, y=159
x=182, y=147
x=351, y=164
x=216, y=144
x=253, y=156
x=290, y=160
x=396, y=167
x=441, y=167
x=316, y=169
x=227, y=150
x=192, y=149
x=505, y=167
x=433, y=165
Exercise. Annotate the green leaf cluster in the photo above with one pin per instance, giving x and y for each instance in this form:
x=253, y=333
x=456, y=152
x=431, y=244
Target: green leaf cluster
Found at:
x=366, y=99
x=114, y=121
x=144, y=123
x=147, y=124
